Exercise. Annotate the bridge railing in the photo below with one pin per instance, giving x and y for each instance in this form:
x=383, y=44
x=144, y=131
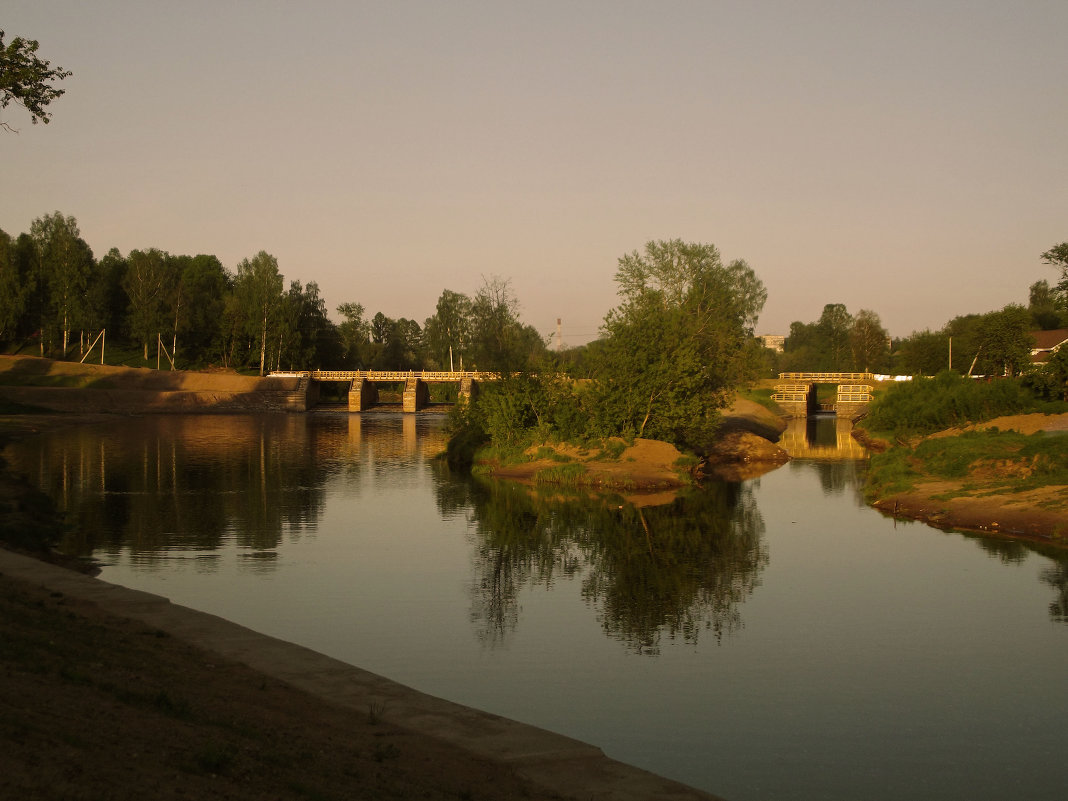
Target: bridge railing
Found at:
x=436, y=376
x=826, y=378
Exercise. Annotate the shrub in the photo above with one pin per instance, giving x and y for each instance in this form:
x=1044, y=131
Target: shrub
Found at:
x=924, y=406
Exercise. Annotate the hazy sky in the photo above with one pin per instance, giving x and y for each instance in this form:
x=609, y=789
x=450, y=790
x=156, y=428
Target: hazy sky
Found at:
x=907, y=157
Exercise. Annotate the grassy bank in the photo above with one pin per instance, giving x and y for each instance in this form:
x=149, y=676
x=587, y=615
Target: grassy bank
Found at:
x=981, y=461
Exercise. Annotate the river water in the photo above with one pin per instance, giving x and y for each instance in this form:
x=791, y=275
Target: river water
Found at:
x=768, y=639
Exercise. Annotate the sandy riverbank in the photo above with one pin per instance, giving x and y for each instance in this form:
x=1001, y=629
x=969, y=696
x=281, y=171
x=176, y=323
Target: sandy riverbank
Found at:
x=977, y=503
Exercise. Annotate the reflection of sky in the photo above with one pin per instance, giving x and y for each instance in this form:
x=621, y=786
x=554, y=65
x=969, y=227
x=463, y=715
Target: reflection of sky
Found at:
x=877, y=659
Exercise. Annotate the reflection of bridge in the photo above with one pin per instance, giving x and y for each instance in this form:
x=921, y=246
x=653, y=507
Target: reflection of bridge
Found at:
x=363, y=384
x=797, y=393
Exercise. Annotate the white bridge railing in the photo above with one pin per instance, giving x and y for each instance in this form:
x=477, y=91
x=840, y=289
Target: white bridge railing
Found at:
x=429, y=376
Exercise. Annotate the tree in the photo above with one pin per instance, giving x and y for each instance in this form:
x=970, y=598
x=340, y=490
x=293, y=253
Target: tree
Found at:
x=834, y=327
x=1004, y=341
x=197, y=304
x=447, y=333
x=678, y=344
x=922, y=353
x=868, y=341
x=14, y=288
x=499, y=342
x=258, y=293
x=27, y=80
x=1043, y=302
x=147, y=284
x=355, y=334
x=1057, y=257
x=65, y=265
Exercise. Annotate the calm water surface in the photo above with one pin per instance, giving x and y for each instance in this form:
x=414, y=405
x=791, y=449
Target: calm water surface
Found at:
x=764, y=640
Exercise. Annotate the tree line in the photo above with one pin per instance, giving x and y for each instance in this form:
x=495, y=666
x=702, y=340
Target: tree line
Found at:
x=56, y=297
x=994, y=343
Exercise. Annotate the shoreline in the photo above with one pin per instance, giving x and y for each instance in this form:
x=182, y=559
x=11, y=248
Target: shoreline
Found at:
x=321, y=715
x=1036, y=515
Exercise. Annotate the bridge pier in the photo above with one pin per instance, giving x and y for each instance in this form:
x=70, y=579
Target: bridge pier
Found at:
x=363, y=394
x=416, y=394
x=796, y=399
x=468, y=389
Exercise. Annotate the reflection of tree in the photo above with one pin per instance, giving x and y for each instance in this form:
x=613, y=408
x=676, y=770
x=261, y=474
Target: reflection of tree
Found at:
x=1057, y=577
x=676, y=569
x=186, y=482
x=673, y=570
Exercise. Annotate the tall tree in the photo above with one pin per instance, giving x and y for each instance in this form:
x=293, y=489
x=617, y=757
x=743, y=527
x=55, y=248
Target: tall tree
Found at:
x=448, y=331
x=922, y=353
x=834, y=326
x=258, y=289
x=14, y=289
x=106, y=300
x=868, y=341
x=1057, y=257
x=197, y=304
x=27, y=80
x=66, y=263
x=1004, y=341
x=148, y=282
x=499, y=341
x=678, y=343
x=355, y=333
x=1047, y=308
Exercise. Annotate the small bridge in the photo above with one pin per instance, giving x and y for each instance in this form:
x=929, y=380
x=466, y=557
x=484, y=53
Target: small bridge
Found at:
x=363, y=384
x=797, y=393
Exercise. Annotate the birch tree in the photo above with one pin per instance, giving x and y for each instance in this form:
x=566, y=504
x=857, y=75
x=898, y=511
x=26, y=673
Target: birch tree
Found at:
x=258, y=292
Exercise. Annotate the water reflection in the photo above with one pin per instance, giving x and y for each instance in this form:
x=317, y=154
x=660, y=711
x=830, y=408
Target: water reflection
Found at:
x=182, y=487
x=671, y=571
x=822, y=437
x=163, y=486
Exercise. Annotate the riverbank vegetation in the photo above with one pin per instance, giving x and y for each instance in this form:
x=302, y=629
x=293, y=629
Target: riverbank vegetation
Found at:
x=971, y=453
x=672, y=354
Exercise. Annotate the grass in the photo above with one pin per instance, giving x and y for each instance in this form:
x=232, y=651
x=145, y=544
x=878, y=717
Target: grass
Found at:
x=572, y=474
x=984, y=461
x=762, y=395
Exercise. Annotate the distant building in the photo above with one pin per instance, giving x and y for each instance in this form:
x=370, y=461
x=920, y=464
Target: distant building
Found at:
x=1047, y=343
x=773, y=342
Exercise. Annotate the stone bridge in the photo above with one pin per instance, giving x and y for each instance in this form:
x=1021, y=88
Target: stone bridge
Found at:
x=363, y=384
x=796, y=393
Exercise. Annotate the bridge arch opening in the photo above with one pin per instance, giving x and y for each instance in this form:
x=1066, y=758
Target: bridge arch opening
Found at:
x=798, y=393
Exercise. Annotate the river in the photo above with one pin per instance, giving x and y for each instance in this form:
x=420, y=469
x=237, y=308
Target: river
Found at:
x=769, y=639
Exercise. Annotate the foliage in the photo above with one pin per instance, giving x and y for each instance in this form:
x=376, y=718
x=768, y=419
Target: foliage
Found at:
x=147, y=280
x=1048, y=307
x=28, y=80
x=448, y=332
x=678, y=344
x=948, y=400
x=674, y=572
x=257, y=292
x=984, y=460
x=838, y=341
x=1050, y=381
x=868, y=341
x=1057, y=257
x=65, y=264
x=499, y=341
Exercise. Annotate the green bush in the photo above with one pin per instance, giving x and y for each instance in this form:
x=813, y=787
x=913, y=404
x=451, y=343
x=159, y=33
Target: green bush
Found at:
x=926, y=405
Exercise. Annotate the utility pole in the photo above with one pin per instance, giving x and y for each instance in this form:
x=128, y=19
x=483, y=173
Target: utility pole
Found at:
x=559, y=335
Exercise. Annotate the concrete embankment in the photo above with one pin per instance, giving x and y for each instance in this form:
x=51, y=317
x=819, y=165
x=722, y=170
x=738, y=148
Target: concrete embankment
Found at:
x=557, y=766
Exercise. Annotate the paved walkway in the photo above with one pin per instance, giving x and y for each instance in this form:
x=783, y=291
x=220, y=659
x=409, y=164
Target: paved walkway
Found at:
x=557, y=764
